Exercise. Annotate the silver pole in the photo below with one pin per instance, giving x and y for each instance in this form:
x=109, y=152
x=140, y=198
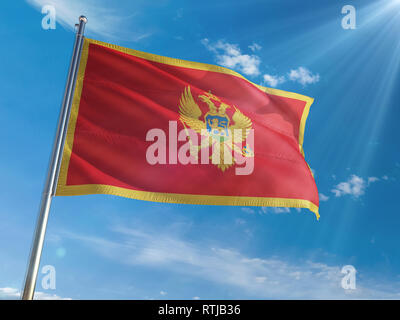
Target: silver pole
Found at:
x=54, y=166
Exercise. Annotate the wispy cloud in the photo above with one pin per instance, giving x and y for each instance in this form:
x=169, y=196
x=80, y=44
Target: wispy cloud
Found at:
x=255, y=276
x=179, y=14
x=270, y=210
x=255, y=47
x=303, y=75
x=276, y=210
x=323, y=197
x=354, y=186
x=8, y=293
x=248, y=210
x=273, y=81
x=372, y=179
x=103, y=19
x=230, y=56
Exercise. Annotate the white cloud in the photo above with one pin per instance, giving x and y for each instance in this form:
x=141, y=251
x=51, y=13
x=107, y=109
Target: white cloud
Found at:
x=323, y=197
x=300, y=75
x=354, y=186
x=163, y=293
x=248, y=210
x=46, y=296
x=372, y=179
x=255, y=47
x=303, y=76
x=230, y=56
x=273, y=81
x=8, y=293
x=196, y=298
x=179, y=14
x=103, y=19
x=280, y=210
x=275, y=210
x=258, y=277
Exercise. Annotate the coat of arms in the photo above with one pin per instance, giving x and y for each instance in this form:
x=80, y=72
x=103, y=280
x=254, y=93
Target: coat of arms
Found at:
x=217, y=129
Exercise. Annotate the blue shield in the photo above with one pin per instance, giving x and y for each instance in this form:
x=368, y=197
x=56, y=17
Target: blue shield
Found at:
x=217, y=125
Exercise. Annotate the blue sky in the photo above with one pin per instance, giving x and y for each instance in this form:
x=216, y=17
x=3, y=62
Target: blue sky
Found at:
x=106, y=247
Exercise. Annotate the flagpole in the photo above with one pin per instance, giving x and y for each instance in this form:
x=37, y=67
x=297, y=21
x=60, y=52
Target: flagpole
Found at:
x=54, y=166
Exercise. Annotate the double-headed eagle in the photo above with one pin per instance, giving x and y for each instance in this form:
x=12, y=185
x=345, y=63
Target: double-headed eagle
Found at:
x=216, y=127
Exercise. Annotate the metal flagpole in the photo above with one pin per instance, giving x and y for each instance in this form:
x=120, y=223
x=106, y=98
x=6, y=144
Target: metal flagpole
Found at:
x=54, y=166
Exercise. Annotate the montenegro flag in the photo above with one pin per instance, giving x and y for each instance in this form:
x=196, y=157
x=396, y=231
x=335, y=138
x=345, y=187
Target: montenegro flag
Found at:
x=160, y=129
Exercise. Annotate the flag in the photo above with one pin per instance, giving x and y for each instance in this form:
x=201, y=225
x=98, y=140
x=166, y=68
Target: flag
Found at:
x=160, y=129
